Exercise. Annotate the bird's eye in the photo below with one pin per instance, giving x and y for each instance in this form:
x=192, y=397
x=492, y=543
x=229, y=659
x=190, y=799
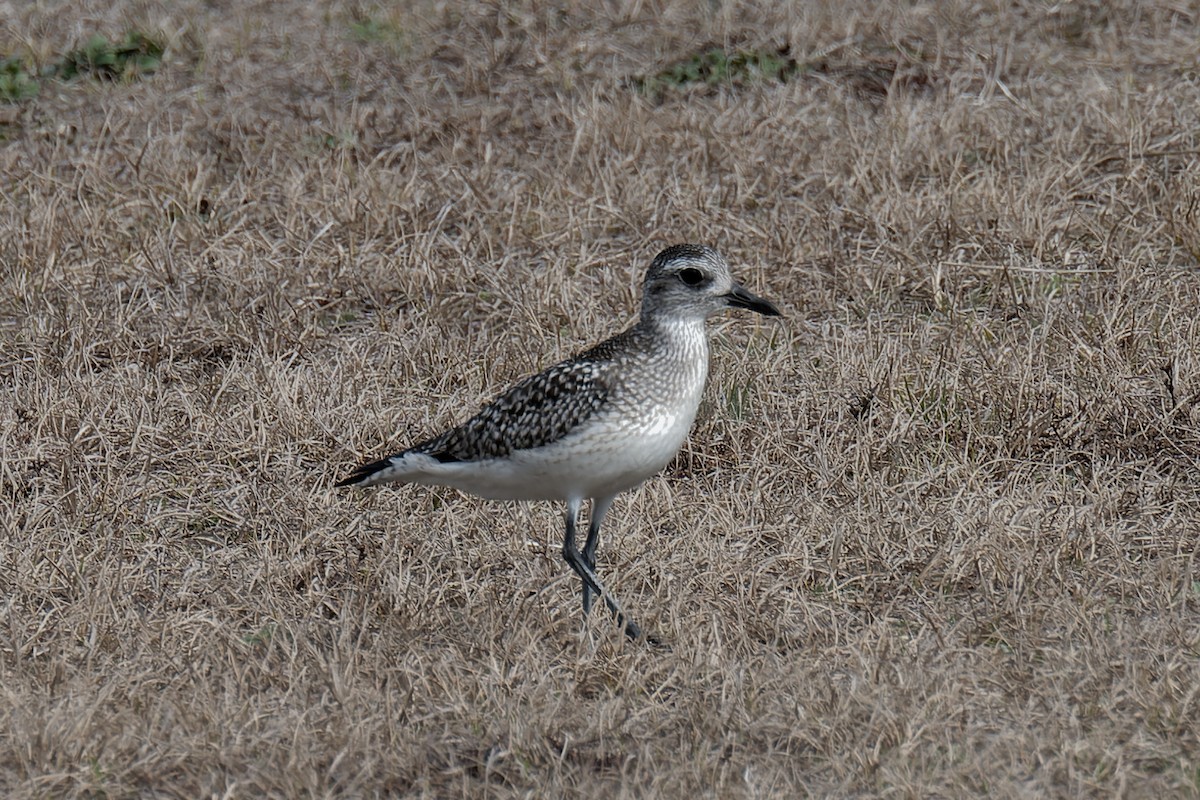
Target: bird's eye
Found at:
x=691, y=276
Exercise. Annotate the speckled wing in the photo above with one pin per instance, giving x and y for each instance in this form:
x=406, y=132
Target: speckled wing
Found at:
x=537, y=411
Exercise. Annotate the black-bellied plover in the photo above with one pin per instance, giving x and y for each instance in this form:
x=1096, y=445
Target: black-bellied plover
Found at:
x=596, y=424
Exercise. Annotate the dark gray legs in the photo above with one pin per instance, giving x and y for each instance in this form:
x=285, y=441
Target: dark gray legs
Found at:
x=600, y=507
x=585, y=569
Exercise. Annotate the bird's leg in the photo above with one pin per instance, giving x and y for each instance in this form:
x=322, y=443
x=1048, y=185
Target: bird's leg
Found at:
x=588, y=575
x=600, y=506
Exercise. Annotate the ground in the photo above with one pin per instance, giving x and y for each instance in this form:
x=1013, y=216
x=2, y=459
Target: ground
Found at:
x=934, y=533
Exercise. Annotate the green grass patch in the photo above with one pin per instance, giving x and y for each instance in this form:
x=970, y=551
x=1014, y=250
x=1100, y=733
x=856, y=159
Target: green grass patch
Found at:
x=131, y=58
x=375, y=29
x=737, y=401
x=17, y=83
x=262, y=636
x=381, y=31
x=716, y=66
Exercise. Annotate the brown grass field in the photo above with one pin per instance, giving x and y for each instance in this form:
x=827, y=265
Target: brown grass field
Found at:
x=934, y=534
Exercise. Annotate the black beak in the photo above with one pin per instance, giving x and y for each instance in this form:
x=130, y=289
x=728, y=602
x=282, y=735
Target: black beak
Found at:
x=740, y=298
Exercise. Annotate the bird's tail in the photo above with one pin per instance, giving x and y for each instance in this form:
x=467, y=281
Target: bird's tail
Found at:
x=367, y=474
x=409, y=466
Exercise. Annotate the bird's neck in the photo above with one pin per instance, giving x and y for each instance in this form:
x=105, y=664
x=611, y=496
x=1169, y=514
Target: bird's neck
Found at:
x=681, y=334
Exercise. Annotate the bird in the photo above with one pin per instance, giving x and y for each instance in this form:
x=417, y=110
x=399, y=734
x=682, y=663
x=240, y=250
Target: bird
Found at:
x=596, y=424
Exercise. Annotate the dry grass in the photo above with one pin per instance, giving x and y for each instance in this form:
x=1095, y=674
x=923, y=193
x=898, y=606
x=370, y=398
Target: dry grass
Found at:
x=934, y=535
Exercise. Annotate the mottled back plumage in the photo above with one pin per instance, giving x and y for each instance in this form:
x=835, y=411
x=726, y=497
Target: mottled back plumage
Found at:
x=539, y=410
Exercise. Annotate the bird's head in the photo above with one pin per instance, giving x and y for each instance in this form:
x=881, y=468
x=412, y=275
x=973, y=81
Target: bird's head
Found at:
x=692, y=282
